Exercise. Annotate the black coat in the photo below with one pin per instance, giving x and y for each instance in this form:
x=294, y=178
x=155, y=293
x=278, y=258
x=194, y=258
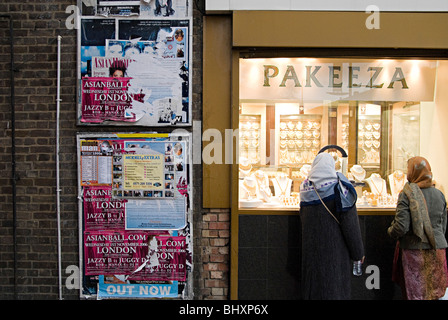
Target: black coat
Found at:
x=327, y=251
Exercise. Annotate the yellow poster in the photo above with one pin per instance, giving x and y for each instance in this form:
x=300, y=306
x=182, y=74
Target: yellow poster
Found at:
x=143, y=171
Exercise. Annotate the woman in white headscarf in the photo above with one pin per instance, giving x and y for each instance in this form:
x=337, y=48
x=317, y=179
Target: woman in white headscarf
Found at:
x=331, y=236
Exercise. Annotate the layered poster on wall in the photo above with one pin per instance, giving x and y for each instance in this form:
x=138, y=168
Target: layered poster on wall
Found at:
x=135, y=70
x=136, y=8
x=118, y=8
x=135, y=209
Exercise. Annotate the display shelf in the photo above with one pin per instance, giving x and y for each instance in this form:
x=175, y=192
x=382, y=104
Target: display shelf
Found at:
x=250, y=137
x=300, y=138
x=369, y=141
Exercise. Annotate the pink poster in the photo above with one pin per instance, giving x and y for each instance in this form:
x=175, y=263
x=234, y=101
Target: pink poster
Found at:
x=140, y=255
x=166, y=260
x=119, y=252
x=106, y=98
x=101, y=211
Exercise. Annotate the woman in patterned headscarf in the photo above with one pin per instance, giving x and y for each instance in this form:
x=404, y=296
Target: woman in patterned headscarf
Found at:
x=419, y=226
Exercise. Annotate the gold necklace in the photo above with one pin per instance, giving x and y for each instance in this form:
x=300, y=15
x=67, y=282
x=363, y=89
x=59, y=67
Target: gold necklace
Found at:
x=283, y=192
x=398, y=181
x=246, y=166
x=358, y=174
x=260, y=177
x=377, y=189
x=250, y=189
x=396, y=175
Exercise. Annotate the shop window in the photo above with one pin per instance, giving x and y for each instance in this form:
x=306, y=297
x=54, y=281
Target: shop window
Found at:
x=291, y=109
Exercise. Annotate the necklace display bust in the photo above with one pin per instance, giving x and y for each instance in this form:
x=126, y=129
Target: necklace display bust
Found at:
x=244, y=167
x=377, y=184
x=358, y=173
x=282, y=185
x=397, y=181
x=250, y=187
x=304, y=171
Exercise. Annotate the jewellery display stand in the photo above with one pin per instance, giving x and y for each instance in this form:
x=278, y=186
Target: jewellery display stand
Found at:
x=262, y=178
x=254, y=189
x=345, y=132
x=264, y=193
x=378, y=195
x=249, y=187
x=298, y=175
x=244, y=167
x=248, y=193
x=357, y=175
x=377, y=184
x=305, y=171
x=406, y=133
x=250, y=137
x=397, y=181
x=369, y=141
x=300, y=138
x=282, y=186
x=301, y=174
x=282, y=189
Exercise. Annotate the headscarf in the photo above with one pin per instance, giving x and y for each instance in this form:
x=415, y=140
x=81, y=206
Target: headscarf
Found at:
x=419, y=176
x=328, y=183
x=323, y=171
x=419, y=172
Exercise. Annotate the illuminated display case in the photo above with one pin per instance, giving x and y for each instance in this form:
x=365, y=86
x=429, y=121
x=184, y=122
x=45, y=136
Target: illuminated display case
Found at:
x=303, y=105
x=300, y=138
x=250, y=138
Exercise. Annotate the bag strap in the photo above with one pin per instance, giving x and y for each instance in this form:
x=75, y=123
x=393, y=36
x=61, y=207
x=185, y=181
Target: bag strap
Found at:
x=325, y=204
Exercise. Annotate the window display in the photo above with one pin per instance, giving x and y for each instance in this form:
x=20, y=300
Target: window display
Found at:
x=291, y=109
x=299, y=138
x=250, y=137
x=369, y=134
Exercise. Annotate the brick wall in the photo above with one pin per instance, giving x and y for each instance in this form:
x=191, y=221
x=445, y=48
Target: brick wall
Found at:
x=215, y=254
x=36, y=25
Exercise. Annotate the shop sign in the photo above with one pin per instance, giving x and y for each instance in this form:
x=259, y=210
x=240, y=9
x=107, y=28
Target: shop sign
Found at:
x=337, y=79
